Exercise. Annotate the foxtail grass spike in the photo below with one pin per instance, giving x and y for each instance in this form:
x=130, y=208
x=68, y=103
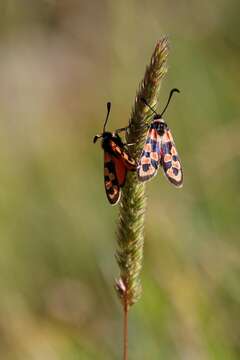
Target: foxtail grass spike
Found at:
x=130, y=231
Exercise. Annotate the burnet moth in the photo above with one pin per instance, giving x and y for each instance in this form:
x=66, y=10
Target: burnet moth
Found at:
x=117, y=161
x=159, y=149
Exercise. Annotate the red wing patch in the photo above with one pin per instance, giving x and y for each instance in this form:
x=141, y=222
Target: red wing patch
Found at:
x=150, y=157
x=116, y=166
x=170, y=160
x=128, y=161
x=111, y=183
x=121, y=170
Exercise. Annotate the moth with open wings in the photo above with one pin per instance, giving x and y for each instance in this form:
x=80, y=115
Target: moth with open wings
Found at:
x=160, y=150
x=117, y=161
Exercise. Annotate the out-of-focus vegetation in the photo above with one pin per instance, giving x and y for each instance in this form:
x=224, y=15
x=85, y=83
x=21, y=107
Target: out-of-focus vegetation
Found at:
x=60, y=62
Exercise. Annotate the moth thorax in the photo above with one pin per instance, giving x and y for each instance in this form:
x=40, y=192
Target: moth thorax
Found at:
x=161, y=126
x=106, y=136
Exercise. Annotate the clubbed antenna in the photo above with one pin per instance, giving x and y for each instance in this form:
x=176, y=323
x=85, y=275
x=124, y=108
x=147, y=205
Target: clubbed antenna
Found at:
x=96, y=137
x=145, y=102
x=169, y=98
x=108, y=111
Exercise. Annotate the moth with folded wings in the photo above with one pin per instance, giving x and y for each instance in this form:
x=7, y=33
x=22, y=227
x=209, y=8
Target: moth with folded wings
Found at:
x=117, y=161
x=160, y=150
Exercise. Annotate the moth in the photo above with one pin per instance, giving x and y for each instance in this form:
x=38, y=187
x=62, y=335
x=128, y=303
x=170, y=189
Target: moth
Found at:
x=117, y=161
x=160, y=150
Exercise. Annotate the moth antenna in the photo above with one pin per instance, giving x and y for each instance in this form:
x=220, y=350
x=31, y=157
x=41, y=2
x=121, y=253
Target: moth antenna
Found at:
x=169, y=98
x=145, y=102
x=108, y=111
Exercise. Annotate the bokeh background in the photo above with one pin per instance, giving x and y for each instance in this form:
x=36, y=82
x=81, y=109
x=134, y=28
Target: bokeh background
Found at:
x=60, y=62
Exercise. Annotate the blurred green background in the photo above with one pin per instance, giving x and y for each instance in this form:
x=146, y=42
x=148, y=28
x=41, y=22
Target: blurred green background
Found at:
x=60, y=62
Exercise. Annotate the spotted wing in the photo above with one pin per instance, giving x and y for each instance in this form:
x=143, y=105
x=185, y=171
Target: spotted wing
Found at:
x=111, y=183
x=170, y=160
x=121, y=152
x=150, y=157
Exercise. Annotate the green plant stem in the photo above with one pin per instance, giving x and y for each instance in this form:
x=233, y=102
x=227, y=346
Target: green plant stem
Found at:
x=125, y=331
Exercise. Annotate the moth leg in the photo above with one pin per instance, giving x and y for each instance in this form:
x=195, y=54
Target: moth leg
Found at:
x=131, y=144
x=147, y=126
x=126, y=145
x=121, y=130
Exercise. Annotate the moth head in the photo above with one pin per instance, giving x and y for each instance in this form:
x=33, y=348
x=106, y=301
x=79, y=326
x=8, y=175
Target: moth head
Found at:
x=162, y=122
x=157, y=117
x=96, y=137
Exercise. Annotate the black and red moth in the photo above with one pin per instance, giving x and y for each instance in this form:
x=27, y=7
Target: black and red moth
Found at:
x=160, y=149
x=117, y=161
